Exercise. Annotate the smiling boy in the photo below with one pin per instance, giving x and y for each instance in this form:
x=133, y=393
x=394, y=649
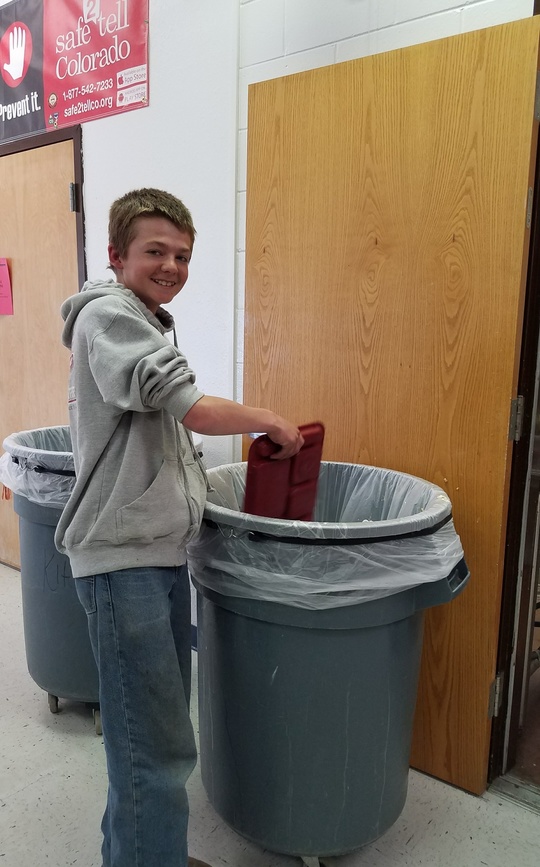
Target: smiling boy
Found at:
x=137, y=501
x=155, y=263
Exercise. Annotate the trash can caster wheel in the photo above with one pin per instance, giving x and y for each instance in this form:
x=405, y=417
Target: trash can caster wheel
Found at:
x=97, y=720
x=53, y=702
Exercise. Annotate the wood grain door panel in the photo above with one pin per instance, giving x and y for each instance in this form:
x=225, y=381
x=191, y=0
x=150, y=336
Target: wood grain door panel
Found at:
x=385, y=271
x=38, y=236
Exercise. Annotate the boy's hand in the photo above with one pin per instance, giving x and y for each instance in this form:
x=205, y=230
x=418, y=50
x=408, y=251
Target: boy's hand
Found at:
x=287, y=436
x=217, y=416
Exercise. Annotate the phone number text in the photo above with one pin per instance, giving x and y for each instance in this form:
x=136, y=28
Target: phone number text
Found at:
x=92, y=87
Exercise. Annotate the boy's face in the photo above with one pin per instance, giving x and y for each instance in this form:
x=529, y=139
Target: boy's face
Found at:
x=155, y=266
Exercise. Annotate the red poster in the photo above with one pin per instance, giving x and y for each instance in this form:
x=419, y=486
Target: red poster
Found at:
x=63, y=62
x=95, y=60
x=6, y=298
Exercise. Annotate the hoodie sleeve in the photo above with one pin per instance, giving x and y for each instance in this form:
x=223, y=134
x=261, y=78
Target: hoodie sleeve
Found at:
x=133, y=365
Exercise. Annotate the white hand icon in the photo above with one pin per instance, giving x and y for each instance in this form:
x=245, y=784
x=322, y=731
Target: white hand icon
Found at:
x=17, y=45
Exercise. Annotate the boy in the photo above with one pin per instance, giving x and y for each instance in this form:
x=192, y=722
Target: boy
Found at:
x=138, y=499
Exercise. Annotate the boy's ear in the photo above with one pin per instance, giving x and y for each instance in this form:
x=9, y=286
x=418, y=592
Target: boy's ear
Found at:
x=115, y=258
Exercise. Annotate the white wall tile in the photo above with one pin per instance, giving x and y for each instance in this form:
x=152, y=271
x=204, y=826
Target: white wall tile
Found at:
x=239, y=385
x=358, y=46
x=261, y=31
x=387, y=13
x=241, y=220
x=240, y=336
x=241, y=160
x=491, y=12
x=240, y=278
x=323, y=56
x=415, y=32
x=309, y=24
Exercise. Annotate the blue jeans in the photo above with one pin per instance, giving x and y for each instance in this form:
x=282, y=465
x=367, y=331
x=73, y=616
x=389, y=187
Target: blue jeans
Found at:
x=140, y=630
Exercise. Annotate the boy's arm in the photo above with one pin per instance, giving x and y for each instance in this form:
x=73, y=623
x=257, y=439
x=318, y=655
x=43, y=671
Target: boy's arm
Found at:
x=219, y=417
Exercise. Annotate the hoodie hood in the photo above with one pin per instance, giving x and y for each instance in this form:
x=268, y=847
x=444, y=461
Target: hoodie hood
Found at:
x=94, y=289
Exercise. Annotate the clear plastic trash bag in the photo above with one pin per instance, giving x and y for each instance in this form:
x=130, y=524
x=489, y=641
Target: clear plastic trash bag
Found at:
x=38, y=465
x=376, y=532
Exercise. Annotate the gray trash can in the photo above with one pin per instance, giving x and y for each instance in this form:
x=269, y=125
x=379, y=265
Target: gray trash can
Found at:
x=309, y=641
x=38, y=468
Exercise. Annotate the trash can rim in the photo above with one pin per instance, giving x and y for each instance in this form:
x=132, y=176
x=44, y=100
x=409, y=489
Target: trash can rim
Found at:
x=11, y=446
x=16, y=449
x=438, y=508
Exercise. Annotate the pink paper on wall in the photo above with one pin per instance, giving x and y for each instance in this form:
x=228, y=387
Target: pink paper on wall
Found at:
x=6, y=298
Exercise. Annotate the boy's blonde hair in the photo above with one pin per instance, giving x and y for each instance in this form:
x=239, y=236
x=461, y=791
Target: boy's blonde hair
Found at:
x=146, y=202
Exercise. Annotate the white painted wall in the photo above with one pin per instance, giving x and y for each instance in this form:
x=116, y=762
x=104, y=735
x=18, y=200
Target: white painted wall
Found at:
x=192, y=138
x=184, y=142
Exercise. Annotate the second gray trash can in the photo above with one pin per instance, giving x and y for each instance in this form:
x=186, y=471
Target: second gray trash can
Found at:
x=38, y=468
x=309, y=640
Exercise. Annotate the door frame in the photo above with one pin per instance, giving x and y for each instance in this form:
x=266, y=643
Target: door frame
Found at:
x=518, y=576
x=74, y=134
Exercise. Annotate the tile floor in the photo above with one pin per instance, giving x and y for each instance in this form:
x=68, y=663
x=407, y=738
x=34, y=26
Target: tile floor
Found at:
x=53, y=784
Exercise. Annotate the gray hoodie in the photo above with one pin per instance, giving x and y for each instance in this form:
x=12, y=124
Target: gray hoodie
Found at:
x=140, y=487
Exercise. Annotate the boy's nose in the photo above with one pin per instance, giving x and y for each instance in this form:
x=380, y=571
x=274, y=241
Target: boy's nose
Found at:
x=169, y=264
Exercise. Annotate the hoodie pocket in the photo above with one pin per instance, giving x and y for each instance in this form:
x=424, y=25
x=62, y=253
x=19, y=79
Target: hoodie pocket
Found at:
x=161, y=511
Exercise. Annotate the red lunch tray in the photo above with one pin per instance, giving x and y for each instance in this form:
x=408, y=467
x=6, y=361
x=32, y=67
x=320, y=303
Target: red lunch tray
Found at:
x=288, y=488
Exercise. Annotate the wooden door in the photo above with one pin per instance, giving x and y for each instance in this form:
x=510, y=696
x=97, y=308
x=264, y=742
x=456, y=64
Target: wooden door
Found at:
x=385, y=270
x=38, y=234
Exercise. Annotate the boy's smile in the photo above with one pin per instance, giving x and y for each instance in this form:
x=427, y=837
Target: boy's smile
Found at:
x=155, y=266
